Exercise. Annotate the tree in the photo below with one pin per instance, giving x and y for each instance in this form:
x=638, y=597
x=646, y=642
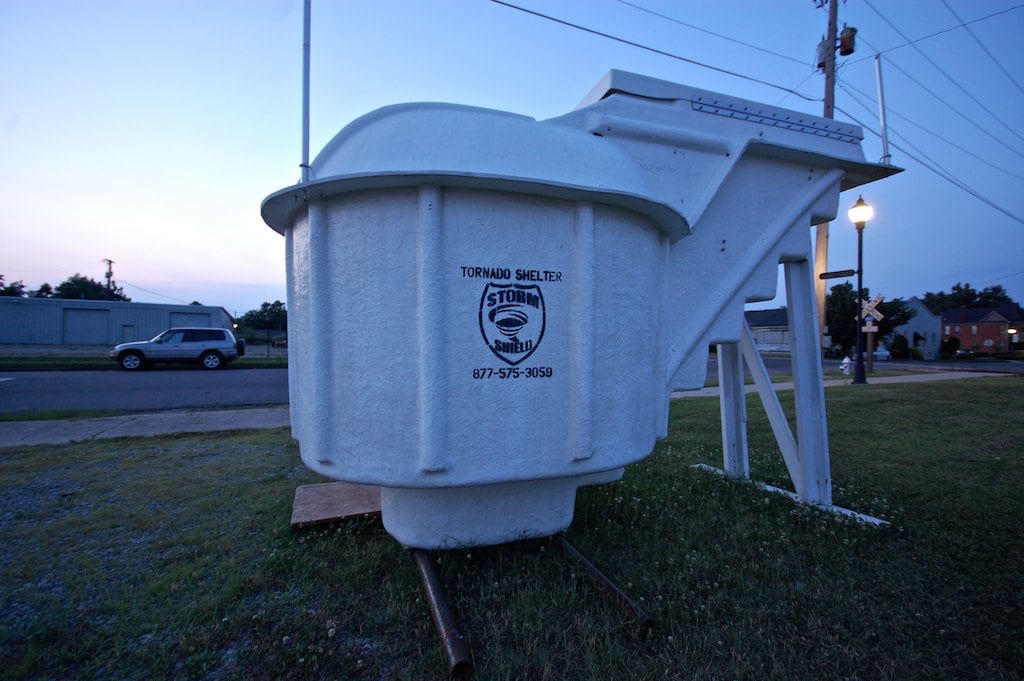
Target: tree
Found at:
x=896, y=313
x=85, y=288
x=993, y=296
x=269, y=316
x=900, y=347
x=964, y=295
x=949, y=347
x=841, y=316
x=16, y=289
x=44, y=291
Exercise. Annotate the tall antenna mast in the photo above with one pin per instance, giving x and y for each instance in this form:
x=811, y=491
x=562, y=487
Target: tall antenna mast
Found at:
x=886, y=158
x=307, y=10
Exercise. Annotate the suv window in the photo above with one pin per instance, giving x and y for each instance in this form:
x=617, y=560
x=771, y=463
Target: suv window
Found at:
x=202, y=335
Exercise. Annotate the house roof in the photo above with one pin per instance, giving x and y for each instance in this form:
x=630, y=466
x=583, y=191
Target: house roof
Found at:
x=920, y=308
x=779, y=317
x=971, y=315
x=1012, y=312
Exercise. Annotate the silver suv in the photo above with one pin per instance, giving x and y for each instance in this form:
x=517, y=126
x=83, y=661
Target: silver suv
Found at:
x=212, y=348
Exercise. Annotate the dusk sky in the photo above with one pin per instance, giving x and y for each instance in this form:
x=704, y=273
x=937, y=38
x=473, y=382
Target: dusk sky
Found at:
x=149, y=131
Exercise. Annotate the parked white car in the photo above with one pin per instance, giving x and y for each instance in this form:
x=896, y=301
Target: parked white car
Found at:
x=211, y=348
x=881, y=353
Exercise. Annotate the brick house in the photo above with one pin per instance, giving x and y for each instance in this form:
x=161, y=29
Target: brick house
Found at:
x=983, y=330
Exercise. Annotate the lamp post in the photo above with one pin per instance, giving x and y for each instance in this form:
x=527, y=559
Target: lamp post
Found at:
x=859, y=215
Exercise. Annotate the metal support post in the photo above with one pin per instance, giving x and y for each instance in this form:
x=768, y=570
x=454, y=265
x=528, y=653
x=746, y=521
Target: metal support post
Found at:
x=607, y=587
x=858, y=367
x=457, y=655
x=808, y=385
x=733, y=405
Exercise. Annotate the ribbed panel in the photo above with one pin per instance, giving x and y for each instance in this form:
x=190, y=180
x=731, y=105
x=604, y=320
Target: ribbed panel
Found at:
x=430, y=325
x=581, y=354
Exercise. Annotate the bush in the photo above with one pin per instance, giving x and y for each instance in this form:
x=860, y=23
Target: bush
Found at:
x=949, y=347
x=899, y=347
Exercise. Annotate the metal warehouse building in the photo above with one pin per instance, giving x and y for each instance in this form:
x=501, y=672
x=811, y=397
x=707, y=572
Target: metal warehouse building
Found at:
x=53, y=321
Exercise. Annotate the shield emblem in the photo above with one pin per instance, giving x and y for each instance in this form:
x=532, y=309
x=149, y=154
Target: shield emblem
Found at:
x=512, y=320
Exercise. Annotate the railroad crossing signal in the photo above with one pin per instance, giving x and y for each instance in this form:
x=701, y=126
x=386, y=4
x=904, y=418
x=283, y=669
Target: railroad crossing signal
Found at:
x=870, y=309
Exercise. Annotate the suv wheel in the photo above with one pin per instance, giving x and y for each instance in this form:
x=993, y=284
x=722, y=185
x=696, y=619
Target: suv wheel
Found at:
x=212, y=360
x=131, y=361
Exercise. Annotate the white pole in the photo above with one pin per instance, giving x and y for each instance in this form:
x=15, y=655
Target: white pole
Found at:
x=307, y=8
x=881, y=110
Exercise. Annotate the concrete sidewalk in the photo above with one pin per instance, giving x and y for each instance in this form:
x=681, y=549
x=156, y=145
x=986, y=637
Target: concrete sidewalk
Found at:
x=29, y=433
x=876, y=380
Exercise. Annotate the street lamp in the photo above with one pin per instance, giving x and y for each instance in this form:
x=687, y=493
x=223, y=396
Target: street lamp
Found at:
x=859, y=215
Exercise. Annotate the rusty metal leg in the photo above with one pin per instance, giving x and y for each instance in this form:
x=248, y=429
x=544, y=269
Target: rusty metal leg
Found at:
x=460, y=666
x=608, y=588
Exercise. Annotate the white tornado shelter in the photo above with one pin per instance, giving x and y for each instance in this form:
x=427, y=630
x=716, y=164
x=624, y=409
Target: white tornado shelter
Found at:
x=488, y=311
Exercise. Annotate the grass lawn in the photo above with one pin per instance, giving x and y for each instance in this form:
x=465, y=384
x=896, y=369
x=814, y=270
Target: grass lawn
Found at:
x=171, y=557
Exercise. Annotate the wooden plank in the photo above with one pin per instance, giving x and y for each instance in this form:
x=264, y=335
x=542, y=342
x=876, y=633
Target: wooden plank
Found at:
x=331, y=501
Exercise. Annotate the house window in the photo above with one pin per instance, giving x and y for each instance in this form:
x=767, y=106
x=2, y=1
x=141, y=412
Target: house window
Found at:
x=947, y=329
x=974, y=329
x=956, y=329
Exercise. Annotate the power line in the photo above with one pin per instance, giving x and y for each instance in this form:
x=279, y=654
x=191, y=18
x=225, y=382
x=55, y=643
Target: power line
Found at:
x=654, y=50
x=943, y=72
x=937, y=170
x=798, y=86
x=712, y=33
x=1002, y=278
x=983, y=48
x=948, y=105
x=758, y=48
x=848, y=87
x=943, y=31
x=934, y=168
x=177, y=300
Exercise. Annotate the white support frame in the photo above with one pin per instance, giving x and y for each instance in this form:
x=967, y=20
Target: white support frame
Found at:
x=733, y=405
x=806, y=455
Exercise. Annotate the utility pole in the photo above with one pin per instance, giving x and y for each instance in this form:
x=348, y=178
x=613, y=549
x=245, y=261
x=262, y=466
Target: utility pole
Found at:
x=821, y=235
x=110, y=273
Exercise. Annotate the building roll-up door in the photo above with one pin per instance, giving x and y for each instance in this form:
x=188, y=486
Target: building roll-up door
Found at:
x=86, y=327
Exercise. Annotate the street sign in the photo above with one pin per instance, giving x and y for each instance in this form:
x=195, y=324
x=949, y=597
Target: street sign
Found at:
x=838, y=274
x=869, y=328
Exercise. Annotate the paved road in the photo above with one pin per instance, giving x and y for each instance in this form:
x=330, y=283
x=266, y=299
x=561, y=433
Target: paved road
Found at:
x=190, y=388
x=28, y=433
x=172, y=388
